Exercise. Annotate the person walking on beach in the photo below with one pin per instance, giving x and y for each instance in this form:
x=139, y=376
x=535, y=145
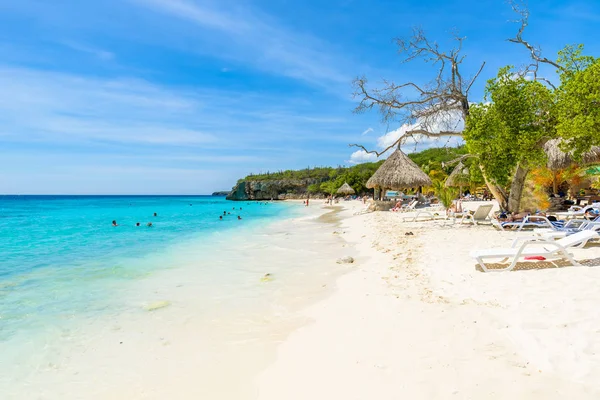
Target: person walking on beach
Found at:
x=307, y=201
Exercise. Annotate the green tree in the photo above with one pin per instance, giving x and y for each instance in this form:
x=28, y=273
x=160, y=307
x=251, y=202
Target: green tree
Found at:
x=329, y=187
x=444, y=194
x=579, y=105
x=507, y=133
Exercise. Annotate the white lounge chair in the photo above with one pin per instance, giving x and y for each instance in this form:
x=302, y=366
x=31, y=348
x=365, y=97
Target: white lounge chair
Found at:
x=569, y=226
x=543, y=234
x=577, y=211
x=480, y=215
x=408, y=207
x=428, y=213
x=530, y=221
x=545, y=248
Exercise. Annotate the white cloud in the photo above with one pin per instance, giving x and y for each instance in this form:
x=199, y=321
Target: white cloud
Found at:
x=369, y=130
x=256, y=38
x=98, y=53
x=361, y=156
x=444, y=122
x=391, y=137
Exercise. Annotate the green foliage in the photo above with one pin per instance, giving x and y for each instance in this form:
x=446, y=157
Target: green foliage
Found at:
x=434, y=157
x=572, y=61
x=430, y=160
x=444, y=194
x=329, y=187
x=314, y=188
x=356, y=176
x=508, y=131
x=579, y=108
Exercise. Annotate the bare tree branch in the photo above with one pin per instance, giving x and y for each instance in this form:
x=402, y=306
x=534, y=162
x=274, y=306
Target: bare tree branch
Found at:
x=409, y=134
x=459, y=159
x=520, y=8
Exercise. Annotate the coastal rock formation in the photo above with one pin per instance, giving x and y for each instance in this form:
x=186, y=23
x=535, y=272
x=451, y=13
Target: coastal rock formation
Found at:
x=276, y=189
x=223, y=193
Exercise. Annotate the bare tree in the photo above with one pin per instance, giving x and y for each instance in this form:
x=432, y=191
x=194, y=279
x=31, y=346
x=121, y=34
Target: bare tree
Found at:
x=430, y=109
x=535, y=52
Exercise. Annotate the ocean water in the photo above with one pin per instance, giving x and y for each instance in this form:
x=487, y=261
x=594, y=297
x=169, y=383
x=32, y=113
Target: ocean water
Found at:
x=56, y=251
x=83, y=303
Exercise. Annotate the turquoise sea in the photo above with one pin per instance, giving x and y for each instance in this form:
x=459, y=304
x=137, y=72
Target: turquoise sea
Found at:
x=178, y=310
x=60, y=255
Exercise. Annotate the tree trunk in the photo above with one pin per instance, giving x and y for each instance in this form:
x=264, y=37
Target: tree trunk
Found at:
x=498, y=193
x=516, y=188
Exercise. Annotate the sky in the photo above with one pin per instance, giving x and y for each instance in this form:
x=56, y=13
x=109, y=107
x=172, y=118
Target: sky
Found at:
x=187, y=96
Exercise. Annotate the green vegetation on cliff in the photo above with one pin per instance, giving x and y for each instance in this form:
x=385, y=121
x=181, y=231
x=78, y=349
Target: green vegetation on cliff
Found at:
x=329, y=179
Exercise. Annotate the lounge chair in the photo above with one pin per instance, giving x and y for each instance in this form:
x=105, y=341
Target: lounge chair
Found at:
x=570, y=225
x=545, y=248
x=544, y=234
x=408, y=207
x=480, y=215
x=429, y=213
x=530, y=221
x=577, y=211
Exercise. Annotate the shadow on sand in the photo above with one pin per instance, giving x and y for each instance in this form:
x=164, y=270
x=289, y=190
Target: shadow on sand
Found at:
x=528, y=265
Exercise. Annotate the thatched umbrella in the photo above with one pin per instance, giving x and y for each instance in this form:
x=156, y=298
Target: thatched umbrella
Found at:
x=345, y=189
x=558, y=159
x=458, y=177
x=398, y=172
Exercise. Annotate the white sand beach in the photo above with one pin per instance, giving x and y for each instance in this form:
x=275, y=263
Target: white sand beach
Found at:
x=415, y=319
x=411, y=318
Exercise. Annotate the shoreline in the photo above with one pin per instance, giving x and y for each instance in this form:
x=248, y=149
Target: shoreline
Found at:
x=168, y=341
x=414, y=319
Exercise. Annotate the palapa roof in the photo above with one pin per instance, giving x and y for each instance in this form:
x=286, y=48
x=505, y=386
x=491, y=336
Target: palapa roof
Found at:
x=459, y=176
x=346, y=189
x=558, y=159
x=398, y=172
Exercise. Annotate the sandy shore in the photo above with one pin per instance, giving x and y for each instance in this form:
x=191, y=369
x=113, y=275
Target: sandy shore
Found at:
x=201, y=327
x=414, y=319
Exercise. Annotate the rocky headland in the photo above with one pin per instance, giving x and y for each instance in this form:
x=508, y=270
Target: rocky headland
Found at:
x=281, y=189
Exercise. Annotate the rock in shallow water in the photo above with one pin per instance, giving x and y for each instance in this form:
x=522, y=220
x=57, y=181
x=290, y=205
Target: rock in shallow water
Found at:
x=345, y=260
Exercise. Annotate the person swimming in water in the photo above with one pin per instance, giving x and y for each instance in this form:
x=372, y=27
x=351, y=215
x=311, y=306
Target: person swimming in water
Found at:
x=137, y=224
x=155, y=214
x=149, y=225
x=239, y=217
x=221, y=217
x=114, y=223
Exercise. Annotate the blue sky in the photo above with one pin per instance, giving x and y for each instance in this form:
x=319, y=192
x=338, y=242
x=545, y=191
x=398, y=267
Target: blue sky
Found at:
x=186, y=96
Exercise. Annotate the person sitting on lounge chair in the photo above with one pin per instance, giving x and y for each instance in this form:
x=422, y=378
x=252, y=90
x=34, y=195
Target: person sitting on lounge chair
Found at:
x=397, y=207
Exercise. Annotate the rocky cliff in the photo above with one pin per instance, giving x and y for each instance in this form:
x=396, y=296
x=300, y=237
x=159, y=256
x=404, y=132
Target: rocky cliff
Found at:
x=266, y=190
